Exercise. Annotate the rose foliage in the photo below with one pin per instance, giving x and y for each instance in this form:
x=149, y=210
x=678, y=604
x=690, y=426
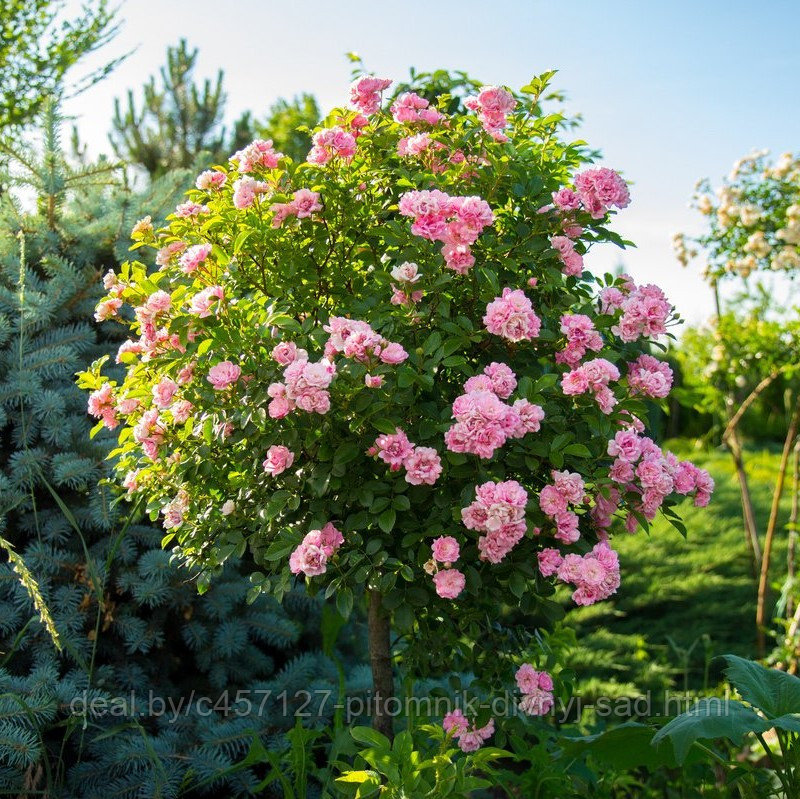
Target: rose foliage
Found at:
x=386, y=367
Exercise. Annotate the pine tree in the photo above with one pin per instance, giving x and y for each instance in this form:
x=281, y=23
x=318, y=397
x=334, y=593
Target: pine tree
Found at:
x=177, y=122
x=129, y=619
x=38, y=47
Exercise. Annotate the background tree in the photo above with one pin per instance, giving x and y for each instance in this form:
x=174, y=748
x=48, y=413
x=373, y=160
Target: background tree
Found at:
x=38, y=47
x=288, y=124
x=752, y=240
x=177, y=122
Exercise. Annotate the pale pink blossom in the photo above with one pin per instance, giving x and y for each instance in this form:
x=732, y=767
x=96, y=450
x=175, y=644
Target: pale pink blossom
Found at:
x=394, y=448
x=445, y=549
x=365, y=93
x=210, y=179
x=163, y=392
x=449, y=583
x=423, y=466
x=279, y=459
x=512, y=316
x=223, y=374
x=259, y=154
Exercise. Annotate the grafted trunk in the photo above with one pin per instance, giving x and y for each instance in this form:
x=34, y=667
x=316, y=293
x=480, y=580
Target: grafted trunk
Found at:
x=380, y=658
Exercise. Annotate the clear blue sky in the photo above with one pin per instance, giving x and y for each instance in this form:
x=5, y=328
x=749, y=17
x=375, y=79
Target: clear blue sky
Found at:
x=669, y=91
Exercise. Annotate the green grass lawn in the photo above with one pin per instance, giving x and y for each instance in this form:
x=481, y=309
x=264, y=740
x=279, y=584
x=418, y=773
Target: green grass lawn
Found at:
x=685, y=589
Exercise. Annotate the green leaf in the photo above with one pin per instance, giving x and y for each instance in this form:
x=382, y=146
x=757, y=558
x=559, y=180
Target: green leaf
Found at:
x=626, y=746
x=516, y=584
x=358, y=776
x=405, y=377
x=346, y=452
x=370, y=737
x=579, y=450
x=278, y=550
x=708, y=719
x=401, y=502
x=432, y=343
x=387, y=519
x=344, y=602
x=385, y=426
x=775, y=692
x=544, y=382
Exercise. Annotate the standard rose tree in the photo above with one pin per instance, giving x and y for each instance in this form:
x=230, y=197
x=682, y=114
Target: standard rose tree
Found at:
x=751, y=239
x=385, y=371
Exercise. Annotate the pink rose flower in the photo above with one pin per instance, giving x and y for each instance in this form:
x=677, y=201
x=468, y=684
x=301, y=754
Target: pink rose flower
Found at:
x=393, y=354
x=423, y=465
x=445, y=549
x=449, y=583
x=163, y=392
x=512, y=317
x=279, y=459
x=223, y=375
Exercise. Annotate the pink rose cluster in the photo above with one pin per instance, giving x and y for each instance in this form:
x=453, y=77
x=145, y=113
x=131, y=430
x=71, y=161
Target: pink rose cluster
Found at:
x=595, y=575
x=600, y=189
x=357, y=340
x=455, y=221
x=331, y=143
x=555, y=499
x=594, y=376
x=152, y=340
x=304, y=203
x=499, y=512
x=107, y=309
x=190, y=209
x=311, y=556
x=193, y=257
x=223, y=374
x=155, y=335
x=278, y=460
x=175, y=510
x=536, y=688
x=649, y=376
x=102, y=405
x=165, y=255
x=448, y=582
x=149, y=432
x=305, y=386
x=569, y=256
x=410, y=146
x=470, y=739
x=205, y=302
x=210, y=179
x=492, y=104
x=640, y=466
x=581, y=337
x=422, y=464
x=164, y=392
x=483, y=422
x=365, y=93
x=512, y=316
x=259, y=154
x=410, y=107
x=406, y=274
x=645, y=310
x=245, y=191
